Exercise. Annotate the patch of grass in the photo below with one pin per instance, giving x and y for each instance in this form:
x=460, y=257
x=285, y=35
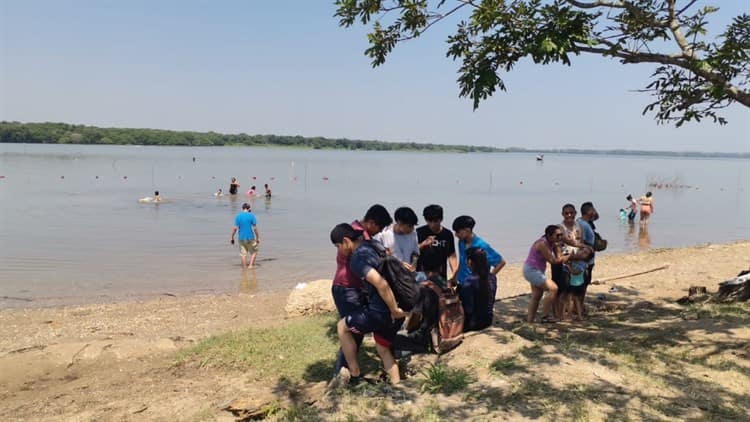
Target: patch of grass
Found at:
x=297, y=413
x=506, y=366
x=731, y=311
x=297, y=350
x=441, y=379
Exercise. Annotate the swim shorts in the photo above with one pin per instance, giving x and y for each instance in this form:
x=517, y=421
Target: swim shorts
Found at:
x=380, y=324
x=248, y=247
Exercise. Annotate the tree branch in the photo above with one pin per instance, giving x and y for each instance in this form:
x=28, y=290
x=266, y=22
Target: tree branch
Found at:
x=598, y=3
x=679, y=60
x=674, y=26
x=437, y=19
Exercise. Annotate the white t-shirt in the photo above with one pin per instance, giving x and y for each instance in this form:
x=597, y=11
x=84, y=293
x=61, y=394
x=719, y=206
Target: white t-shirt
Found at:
x=402, y=246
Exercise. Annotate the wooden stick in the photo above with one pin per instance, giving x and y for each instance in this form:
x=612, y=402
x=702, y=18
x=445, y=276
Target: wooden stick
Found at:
x=603, y=280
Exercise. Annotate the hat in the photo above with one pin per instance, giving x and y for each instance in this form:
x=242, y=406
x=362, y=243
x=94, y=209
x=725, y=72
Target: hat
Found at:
x=344, y=230
x=245, y=206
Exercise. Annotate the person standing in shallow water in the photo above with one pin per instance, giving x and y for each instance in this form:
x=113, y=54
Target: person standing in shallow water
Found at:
x=647, y=207
x=268, y=191
x=234, y=185
x=249, y=239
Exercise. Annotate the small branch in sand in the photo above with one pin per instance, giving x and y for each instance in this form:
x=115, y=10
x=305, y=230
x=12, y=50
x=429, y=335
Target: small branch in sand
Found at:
x=22, y=299
x=73, y=359
x=606, y=279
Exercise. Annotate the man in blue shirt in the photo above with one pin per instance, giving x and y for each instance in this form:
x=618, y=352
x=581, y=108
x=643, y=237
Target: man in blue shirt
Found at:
x=249, y=238
x=463, y=227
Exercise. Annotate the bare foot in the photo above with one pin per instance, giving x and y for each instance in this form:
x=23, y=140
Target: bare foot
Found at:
x=250, y=267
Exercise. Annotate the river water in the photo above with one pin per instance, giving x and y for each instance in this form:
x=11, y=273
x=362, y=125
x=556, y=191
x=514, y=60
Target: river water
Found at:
x=72, y=230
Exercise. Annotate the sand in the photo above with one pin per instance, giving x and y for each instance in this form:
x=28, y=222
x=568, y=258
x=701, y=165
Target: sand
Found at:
x=116, y=361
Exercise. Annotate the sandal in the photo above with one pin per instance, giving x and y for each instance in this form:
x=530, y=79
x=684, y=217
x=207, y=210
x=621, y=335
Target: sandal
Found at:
x=548, y=319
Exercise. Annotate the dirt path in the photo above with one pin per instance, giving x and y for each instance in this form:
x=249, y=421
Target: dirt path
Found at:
x=639, y=352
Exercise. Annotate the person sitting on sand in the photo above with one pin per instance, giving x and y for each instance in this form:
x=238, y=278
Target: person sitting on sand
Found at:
x=477, y=293
x=380, y=316
x=543, y=250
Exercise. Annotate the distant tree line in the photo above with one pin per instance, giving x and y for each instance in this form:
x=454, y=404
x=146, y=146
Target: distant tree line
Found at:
x=62, y=133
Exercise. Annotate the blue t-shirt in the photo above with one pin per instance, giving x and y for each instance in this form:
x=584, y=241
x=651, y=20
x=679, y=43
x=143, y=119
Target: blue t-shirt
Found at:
x=493, y=258
x=366, y=257
x=245, y=221
x=587, y=235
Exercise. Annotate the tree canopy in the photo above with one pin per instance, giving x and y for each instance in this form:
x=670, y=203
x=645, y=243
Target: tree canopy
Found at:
x=695, y=77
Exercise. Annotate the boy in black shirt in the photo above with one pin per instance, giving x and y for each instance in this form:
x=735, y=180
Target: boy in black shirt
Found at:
x=436, y=244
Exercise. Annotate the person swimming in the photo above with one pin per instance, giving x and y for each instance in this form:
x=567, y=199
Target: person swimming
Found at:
x=155, y=198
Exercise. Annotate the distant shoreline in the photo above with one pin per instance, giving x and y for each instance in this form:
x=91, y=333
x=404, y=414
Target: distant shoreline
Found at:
x=63, y=133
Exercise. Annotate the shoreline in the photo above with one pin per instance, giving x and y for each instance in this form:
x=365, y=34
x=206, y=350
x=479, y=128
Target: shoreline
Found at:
x=510, y=273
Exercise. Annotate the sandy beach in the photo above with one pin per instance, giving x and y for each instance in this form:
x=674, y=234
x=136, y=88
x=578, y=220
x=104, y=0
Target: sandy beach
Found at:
x=116, y=361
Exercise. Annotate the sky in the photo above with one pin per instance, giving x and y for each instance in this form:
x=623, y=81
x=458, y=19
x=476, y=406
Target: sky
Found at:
x=285, y=67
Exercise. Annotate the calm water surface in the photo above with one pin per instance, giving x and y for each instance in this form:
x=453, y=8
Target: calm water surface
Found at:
x=85, y=237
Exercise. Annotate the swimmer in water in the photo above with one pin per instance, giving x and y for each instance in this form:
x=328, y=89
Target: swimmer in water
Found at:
x=157, y=197
x=268, y=191
x=219, y=192
x=251, y=191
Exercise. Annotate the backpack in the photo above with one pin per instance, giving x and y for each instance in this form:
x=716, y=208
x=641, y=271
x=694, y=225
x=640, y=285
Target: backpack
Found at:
x=449, y=331
x=600, y=244
x=401, y=281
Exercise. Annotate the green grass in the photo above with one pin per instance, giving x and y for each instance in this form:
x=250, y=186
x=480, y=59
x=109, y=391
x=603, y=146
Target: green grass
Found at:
x=441, y=379
x=301, y=349
x=506, y=366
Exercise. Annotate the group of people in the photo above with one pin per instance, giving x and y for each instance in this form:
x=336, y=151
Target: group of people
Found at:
x=234, y=187
x=645, y=205
x=367, y=304
x=363, y=297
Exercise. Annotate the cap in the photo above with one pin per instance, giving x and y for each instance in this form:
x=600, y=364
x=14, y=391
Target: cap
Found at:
x=344, y=230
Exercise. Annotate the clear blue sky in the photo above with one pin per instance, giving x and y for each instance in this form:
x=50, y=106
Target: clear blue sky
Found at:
x=285, y=67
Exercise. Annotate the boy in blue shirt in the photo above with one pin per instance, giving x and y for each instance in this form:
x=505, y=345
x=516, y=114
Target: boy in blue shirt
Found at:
x=249, y=238
x=463, y=227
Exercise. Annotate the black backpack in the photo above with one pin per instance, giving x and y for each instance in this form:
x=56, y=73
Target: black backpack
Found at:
x=401, y=281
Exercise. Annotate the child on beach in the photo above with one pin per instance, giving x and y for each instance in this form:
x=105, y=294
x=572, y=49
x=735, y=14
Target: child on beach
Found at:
x=478, y=292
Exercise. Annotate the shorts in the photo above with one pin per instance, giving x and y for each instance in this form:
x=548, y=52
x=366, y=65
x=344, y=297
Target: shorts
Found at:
x=380, y=324
x=348, y=299
x=560, y=277
x=534, y=276
x=248, y=247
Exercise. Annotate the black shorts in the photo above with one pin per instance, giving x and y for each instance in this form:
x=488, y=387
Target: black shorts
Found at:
x=561, y=277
